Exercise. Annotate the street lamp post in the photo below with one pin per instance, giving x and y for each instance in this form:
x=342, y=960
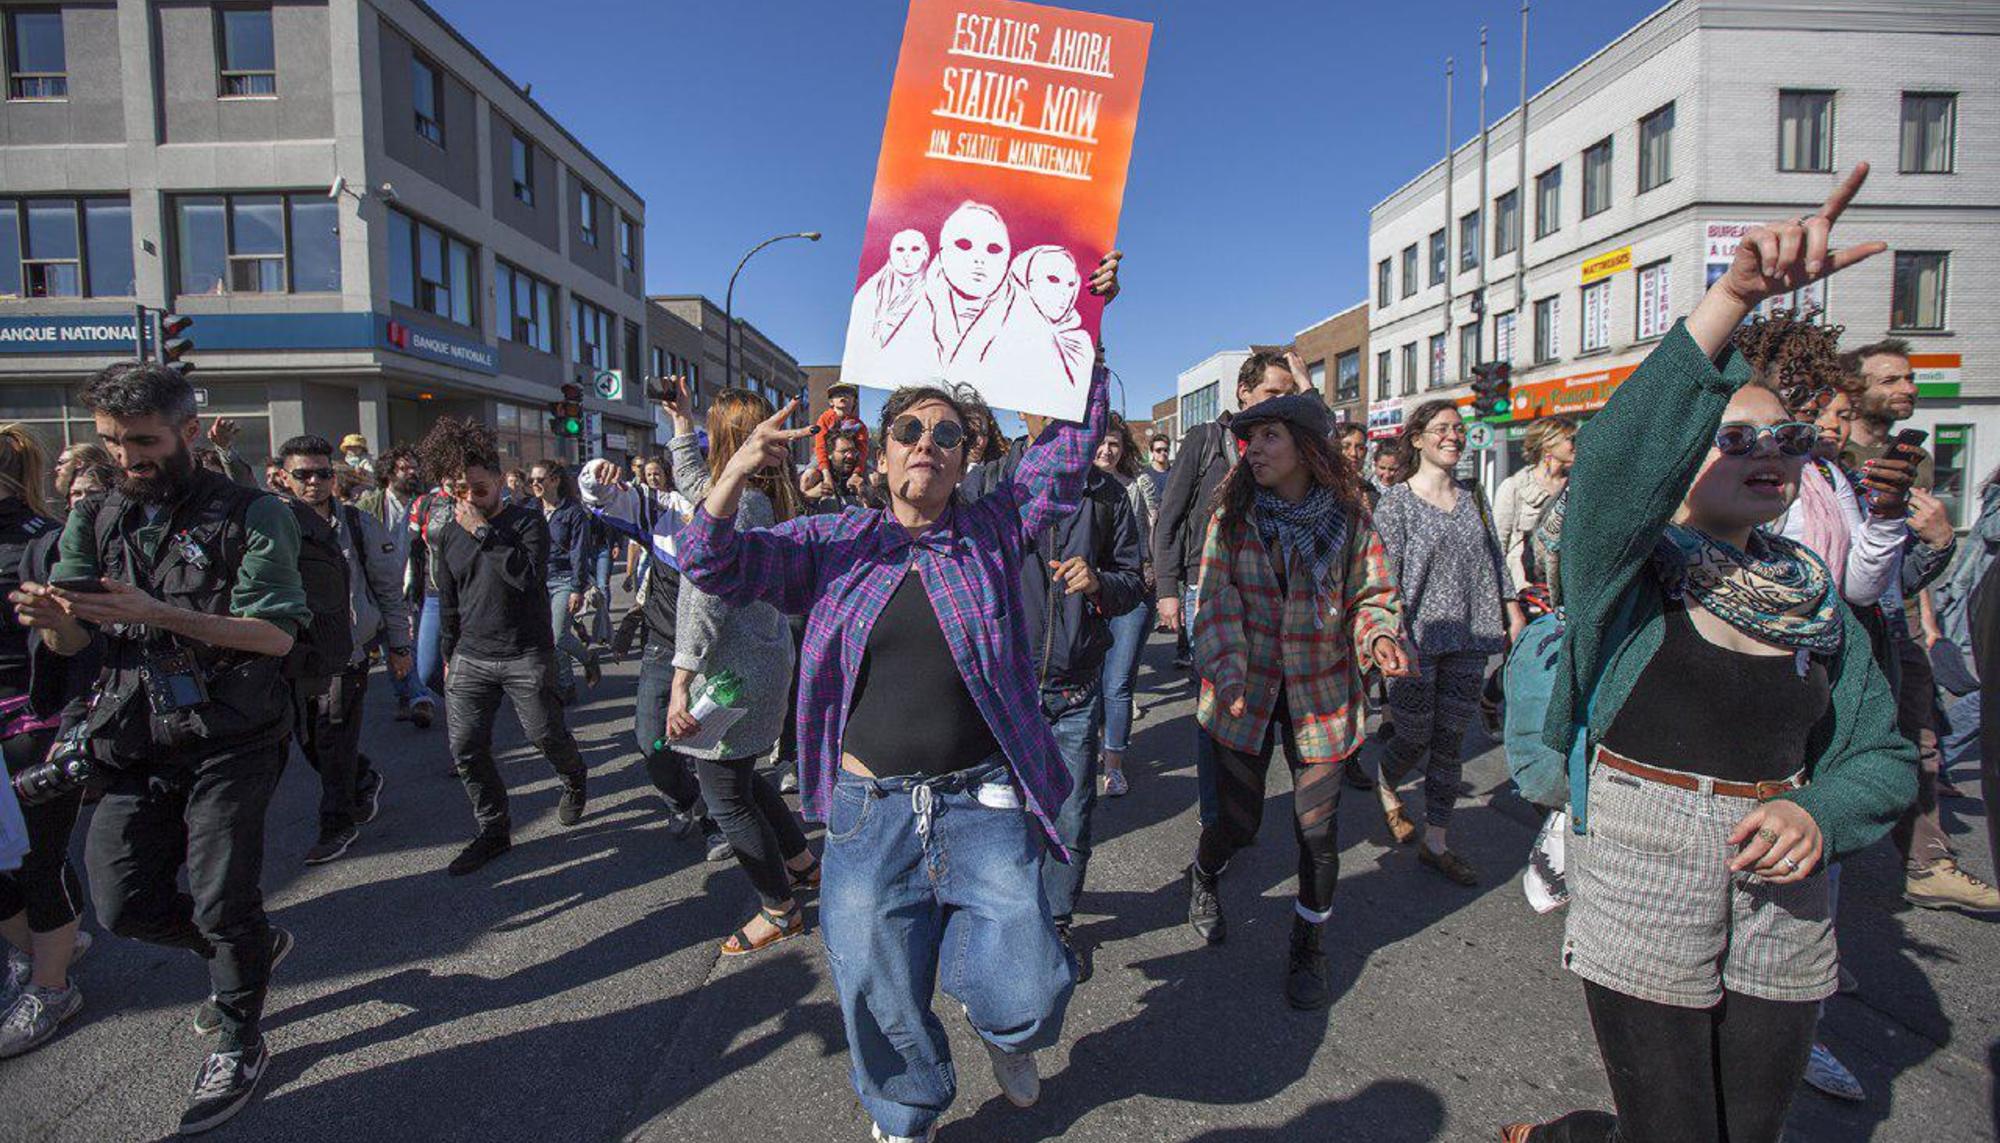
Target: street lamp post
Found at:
x=729, y=304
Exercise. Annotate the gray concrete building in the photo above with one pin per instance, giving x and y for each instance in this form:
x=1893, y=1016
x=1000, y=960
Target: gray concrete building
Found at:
x=370, y=224
x=1647, y=161
x=685, y=335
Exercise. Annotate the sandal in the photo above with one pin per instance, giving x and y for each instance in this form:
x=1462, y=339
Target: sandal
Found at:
x=1516, y=1132
x=808, y=878
x=1400, y=826
x=788, y=924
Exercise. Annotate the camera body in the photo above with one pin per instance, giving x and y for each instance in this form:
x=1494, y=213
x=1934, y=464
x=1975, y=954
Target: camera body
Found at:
x=70, y=768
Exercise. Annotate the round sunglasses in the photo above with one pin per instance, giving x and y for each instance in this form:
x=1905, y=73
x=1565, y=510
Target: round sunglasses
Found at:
x=908, y=430
x=1793, y=438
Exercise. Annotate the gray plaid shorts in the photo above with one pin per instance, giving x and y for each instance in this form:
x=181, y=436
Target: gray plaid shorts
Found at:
x=1656, y=913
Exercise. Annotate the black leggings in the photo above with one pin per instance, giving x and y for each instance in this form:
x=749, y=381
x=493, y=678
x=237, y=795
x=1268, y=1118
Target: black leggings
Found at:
x=1692, y=1075
x=45, y=886
x=1239, y=795
x=757, y=822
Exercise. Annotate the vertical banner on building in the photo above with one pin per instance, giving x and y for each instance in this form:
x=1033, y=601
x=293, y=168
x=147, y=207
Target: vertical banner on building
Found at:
x=998, y=188
x=1720, y=240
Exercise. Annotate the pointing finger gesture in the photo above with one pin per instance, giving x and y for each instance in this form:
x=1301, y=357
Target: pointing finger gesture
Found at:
x=1780, y=257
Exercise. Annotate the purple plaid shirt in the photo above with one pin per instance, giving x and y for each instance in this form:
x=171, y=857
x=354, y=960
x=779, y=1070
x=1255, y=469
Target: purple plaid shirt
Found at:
x=839, y=571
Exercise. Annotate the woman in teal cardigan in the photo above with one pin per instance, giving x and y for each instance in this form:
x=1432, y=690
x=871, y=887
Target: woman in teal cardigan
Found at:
x=1736, y=734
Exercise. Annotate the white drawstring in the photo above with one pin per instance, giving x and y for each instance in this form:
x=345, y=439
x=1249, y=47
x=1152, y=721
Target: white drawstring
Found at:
x=921, y=804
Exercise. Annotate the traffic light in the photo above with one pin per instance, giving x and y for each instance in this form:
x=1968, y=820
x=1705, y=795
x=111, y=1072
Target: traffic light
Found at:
x=1492, y=382
x=173, y=344
x=566, y=415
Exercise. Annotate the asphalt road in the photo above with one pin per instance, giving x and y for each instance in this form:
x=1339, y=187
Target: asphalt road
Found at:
x=572, y=989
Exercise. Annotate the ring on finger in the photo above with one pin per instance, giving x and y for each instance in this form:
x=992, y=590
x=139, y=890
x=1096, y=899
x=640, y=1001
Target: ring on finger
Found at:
x=1768, y=835
x=1791, y=865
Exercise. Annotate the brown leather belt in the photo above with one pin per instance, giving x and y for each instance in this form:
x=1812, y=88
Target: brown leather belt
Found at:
x=1761, y=791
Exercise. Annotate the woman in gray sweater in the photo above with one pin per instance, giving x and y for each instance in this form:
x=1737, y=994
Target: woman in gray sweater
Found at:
x=755, y=644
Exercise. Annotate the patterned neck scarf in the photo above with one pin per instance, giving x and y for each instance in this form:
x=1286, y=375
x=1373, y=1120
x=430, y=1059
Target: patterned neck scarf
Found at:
x=1309, y=534
x=1779, y=591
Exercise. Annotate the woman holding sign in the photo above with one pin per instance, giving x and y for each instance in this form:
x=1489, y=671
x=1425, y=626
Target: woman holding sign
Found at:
x=923, y=746
x=1736, y=732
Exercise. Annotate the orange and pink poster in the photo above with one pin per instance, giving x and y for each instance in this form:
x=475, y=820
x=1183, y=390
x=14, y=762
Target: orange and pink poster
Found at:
x=998, y=188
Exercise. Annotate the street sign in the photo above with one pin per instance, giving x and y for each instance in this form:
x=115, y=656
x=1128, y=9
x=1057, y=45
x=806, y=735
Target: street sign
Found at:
x=1478, y=436
x=200, y=397
x=593, y=432
x=610, y=384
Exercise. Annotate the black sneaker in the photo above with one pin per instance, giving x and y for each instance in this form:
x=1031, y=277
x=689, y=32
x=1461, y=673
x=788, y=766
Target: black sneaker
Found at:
x=1308, y=986
x=569, y=809
x=332, y=843
x=483, y=849
x=719, y=848
x=681, y=820
x=593, y=671
x=208, y=1017
x=1204, y=907
x=421, y=712
x=1079, y=953
x=226, y=1083
x=368, y=799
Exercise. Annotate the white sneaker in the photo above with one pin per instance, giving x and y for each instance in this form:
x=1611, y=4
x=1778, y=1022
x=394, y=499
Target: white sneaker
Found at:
x=1114, y=785
x=1019, y=1080
x=882, y=1136
x=1543, y=882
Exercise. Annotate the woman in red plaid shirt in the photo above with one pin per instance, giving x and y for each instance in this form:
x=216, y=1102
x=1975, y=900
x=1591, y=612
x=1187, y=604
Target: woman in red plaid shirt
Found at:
x=1295, y=603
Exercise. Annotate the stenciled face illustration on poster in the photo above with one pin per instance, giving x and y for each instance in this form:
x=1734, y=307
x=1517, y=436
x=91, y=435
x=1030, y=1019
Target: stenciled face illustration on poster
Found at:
x=1049, y=272
x=909, y=253
x=973, y=250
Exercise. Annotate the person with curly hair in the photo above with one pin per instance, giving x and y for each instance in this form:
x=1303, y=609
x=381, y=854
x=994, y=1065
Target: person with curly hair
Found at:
x=491, y=560
x=1727, y=730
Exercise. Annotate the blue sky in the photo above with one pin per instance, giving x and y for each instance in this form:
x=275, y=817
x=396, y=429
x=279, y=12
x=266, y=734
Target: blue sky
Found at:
x=1267, y=130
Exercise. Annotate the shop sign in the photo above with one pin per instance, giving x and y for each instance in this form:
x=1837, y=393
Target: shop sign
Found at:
x=70, y=333
x=1719, y=241
x=1937, y=374
x=433, y=344
x=1385, y=419
x=1577, y=393
x=1605, y=265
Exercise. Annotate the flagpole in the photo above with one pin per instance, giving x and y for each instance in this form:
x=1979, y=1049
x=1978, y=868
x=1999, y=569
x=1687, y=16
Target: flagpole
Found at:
x=1479, y=297
x=1521, y=181
x=1450, y=172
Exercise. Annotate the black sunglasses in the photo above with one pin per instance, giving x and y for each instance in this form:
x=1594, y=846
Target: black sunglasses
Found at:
x=306, y=475
x=908, y=430
x=1793, y=438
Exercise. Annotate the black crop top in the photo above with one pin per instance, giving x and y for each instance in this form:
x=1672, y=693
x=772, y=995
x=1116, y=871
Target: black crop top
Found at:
x=1725, y=714
x=911, y=712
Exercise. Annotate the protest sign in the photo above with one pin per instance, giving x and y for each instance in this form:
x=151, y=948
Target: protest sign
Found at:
x=998, y=189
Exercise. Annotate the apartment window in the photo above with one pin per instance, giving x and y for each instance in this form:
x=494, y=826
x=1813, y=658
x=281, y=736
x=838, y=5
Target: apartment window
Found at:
x=427, y=94
x=1805, y=130
x=1930, y=124
x=1596, y=317
x=1437, y=257
x=589, y=334
x=1506, y=223
x=1919, y=290
x=626, y=257
x=1410, y=270
x=1503, y=337
x=528, y=304
x=1409, y=368
x=1436, y=377
x=65, y=248
x=1548, y=202
x=1202, y=405
x=1316, y=377
x=258, y=244
x=1468, y=349
x=1656, y=313
x=1548, y=329
x=522, y=159
x=656, y=362
x=1382, y=376
x=1597, y=178
x=248, y=55
x=35, y=58
x=1347, y=375
x=1468, y=241
x=1383, y=283
x=1656, y=148
x=431, y=270
x=586, y=214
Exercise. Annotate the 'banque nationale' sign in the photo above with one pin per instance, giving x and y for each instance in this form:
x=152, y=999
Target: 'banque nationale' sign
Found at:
x=73, y=334
x=433, y=344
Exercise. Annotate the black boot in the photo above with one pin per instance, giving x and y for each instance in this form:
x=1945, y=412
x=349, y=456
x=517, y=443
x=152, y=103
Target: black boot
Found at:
x=1307, y=986
x=1204, y=908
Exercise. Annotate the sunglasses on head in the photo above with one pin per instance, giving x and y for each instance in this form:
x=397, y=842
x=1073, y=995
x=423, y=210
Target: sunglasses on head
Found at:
x=908, y=430
x=1793, y=438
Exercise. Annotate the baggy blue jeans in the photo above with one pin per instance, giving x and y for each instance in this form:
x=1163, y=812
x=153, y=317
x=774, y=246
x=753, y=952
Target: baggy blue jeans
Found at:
x=928, y=882
x=1074, y=716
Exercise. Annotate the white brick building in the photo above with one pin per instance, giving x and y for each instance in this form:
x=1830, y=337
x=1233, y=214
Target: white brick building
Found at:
x=1207, y=388
x=1715, y=112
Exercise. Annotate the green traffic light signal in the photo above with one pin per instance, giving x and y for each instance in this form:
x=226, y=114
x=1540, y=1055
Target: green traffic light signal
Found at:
x=571, y=426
